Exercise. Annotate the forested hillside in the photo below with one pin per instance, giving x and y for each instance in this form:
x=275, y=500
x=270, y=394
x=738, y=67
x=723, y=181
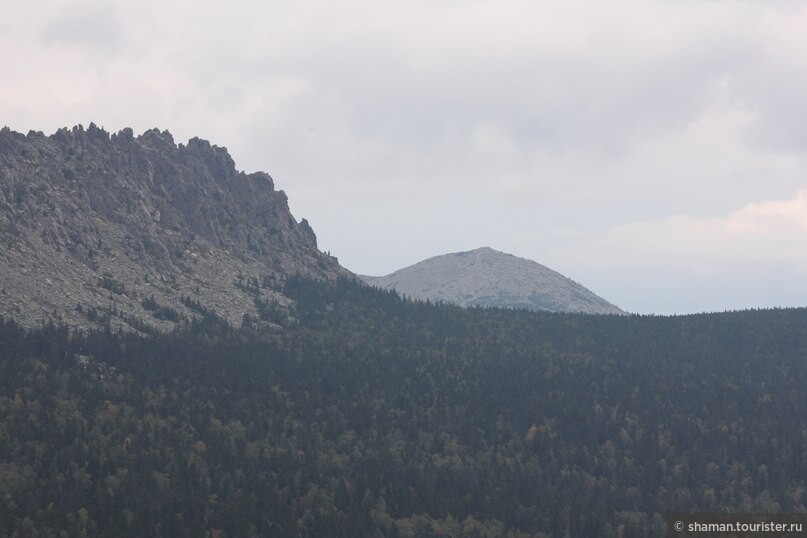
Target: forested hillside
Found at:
x=369, y=415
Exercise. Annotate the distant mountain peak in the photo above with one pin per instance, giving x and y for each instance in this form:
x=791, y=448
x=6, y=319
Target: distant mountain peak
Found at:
x=488, y=277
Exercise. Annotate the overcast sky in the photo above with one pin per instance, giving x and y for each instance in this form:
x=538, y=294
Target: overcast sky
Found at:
x=654, y=151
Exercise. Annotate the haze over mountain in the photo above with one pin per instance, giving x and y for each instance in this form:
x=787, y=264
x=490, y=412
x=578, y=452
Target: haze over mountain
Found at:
x=487, y=277
x=140, y=231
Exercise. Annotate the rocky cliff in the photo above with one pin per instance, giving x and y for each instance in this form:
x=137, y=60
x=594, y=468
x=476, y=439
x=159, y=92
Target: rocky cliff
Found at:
x=486, y=277
x=141, y=232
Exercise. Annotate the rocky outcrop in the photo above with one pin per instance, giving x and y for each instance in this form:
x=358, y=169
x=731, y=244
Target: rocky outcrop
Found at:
x=130, y=230
x=486, y=277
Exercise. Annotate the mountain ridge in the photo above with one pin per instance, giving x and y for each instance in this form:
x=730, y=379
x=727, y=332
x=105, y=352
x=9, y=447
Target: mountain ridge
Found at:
x=141, y=231
x=487, y=277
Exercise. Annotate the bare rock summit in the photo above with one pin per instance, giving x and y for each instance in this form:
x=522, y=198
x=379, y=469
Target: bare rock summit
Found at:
x=140, y=232
x=486, y=277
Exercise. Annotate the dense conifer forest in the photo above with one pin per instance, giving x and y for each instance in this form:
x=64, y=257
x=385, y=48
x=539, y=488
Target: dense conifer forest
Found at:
x=365, y=414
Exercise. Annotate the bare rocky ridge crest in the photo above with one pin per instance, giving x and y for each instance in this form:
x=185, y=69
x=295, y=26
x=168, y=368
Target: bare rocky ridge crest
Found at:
x=125, y=230
x=486, y=277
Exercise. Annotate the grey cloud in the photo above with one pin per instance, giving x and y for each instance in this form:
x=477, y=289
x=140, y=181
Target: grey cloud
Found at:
x=94, y=26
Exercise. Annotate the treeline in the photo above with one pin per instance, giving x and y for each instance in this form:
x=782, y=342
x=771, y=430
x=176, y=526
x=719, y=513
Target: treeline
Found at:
x=370, y=415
